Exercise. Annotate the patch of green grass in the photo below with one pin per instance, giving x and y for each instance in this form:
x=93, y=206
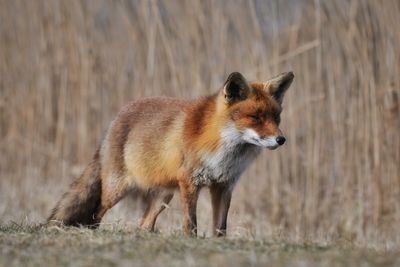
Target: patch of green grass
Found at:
x=38, y=246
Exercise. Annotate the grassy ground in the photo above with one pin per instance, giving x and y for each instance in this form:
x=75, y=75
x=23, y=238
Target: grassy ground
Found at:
x=20, y=246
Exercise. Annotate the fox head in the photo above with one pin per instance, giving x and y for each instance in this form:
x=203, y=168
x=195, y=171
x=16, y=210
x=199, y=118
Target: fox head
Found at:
x=254, y=109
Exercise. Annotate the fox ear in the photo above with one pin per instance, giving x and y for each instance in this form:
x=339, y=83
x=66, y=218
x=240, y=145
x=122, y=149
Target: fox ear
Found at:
x=278, y=85
x=236, y=88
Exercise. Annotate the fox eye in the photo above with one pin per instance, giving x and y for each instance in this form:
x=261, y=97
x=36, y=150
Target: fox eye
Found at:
x=256, y=118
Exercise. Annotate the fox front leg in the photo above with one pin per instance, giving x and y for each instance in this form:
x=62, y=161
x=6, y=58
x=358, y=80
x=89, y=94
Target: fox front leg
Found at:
x=221, y=200
x=189, y=195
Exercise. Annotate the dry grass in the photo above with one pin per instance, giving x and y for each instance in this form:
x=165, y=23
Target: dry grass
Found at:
x=21, y=246
x=67, y=67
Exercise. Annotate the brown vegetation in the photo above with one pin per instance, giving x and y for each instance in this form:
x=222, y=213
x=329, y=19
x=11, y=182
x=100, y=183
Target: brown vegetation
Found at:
x=26, y=246
x=66, y=67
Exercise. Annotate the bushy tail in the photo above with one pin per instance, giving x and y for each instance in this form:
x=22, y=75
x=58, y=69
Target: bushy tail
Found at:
x=80, y=204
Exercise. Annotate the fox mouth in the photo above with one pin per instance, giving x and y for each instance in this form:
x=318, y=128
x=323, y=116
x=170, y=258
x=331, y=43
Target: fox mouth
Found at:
x=250, y=136
x=269, y=143
x=273, y=147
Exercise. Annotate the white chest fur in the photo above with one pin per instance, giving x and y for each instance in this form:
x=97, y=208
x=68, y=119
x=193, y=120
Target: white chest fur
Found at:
x=229, y=161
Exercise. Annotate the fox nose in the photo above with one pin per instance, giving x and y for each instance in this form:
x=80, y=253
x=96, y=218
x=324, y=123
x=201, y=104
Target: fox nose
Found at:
x=280, y=140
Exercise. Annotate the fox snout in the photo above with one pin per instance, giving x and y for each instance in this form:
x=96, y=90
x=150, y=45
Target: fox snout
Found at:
x=270, y=142
x=273, y=142
x=280, y=140
x=277, y=142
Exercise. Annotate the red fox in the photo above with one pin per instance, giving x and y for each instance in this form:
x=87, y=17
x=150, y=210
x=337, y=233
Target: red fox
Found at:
x=156, y=145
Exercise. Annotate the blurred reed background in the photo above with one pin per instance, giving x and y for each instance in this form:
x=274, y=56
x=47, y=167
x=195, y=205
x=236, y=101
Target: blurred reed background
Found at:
x=66, y=67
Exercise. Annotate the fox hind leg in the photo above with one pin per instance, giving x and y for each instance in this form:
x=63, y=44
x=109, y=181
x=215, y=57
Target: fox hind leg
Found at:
x=156, y=203
x=112, y=193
